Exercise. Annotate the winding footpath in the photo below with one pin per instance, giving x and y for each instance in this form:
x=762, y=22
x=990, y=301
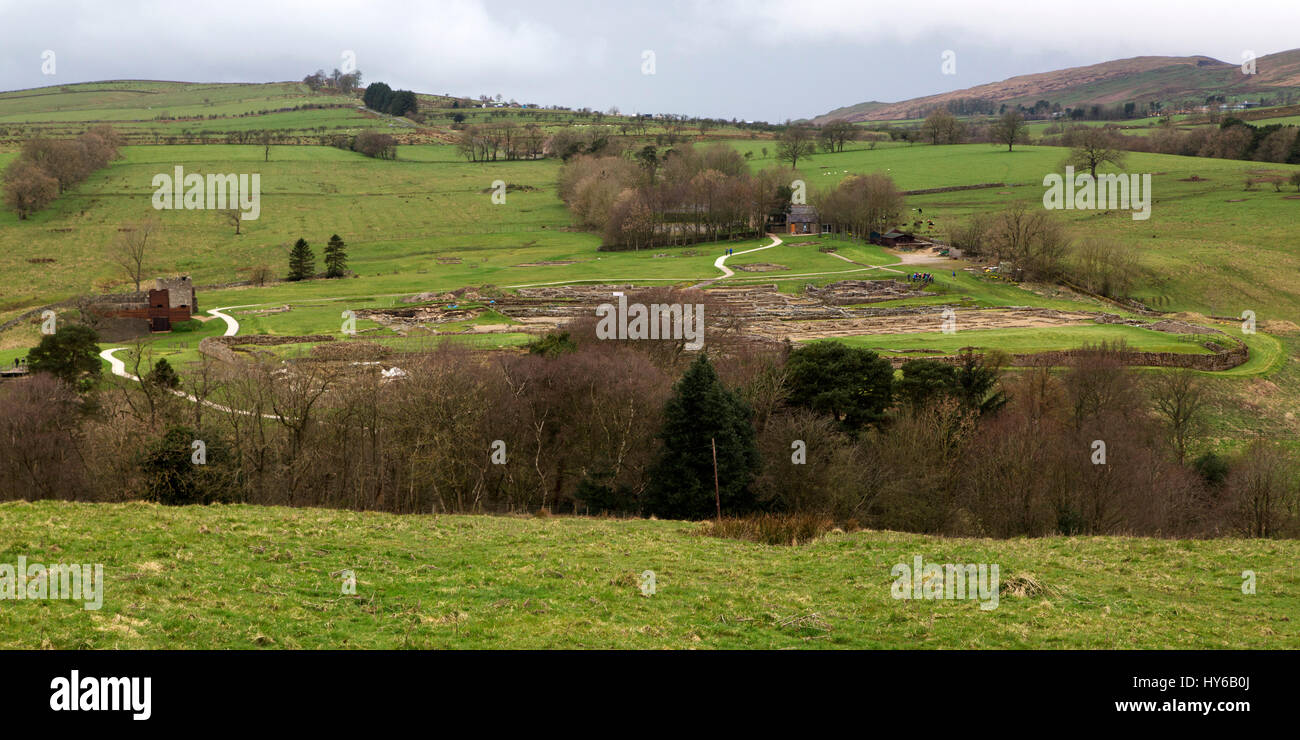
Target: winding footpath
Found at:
x=721, y=262
x=118, y=367
x=721, y=265
x=232, y=328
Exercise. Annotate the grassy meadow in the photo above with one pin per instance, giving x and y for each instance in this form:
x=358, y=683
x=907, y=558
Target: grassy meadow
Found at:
x=1037, y=339
x=247, y=577
x=1211, y=246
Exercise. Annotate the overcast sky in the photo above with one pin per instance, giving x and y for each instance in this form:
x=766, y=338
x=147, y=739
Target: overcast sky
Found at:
x=748, y=59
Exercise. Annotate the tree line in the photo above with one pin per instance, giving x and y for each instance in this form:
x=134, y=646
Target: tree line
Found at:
x=380, y=97
x=345, y=83
x=45, y=168
x=489, y=142
x=374, y=144
x=302, y=260
x=581, y=425
x=1232, y=139
x=642, y=198
x=1039, y=247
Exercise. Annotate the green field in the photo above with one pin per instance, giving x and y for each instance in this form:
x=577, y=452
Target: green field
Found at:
x=1211, y=247
x=1044, y=339
x=188, y=113
x=426, y=222
x=1283, y=120
x=245, y=577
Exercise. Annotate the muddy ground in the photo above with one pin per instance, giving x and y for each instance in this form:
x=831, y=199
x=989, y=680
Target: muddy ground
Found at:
x=841, y=309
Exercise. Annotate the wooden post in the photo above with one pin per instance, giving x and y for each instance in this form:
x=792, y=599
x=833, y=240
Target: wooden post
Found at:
x=717, y=496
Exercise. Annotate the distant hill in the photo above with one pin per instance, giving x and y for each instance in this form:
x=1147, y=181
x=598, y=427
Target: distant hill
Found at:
x=1140, y=79
x=159, y=111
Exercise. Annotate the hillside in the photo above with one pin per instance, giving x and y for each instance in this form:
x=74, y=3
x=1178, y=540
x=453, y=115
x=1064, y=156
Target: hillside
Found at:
x=242, y=577
x=161, y=112
x=425, y=223
x=1168, y=79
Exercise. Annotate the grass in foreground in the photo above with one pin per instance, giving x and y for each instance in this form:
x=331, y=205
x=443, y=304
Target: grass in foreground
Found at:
x=248, y=577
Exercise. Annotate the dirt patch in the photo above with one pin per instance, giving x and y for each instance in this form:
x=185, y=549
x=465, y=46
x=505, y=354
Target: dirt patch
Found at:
x=511, y=188
x=460, y=294
x=119, y=625
x=1279, y=326
x=770, y=315
x=403, y=320
x=918, y=257
x=267, y=311
x=766, y=315
x=1259, y=391
x=761, y=267
x=849, y=292
x=358, y=351
x=1174, y=326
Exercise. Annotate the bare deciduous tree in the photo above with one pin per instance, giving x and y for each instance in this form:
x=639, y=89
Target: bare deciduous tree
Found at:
x=1093, y=147
x=130, y=249
x=231, y=215
x=836, y=134
x=1179, y=397
x=27, y=188
x=794, y=144
x=1031, y=239
x=1263, y=496
x=1010, y=129
x=942, y=127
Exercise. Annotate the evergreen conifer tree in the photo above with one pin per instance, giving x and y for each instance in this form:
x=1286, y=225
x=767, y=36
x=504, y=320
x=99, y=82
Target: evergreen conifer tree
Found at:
x=302, y=261
x=701, y=413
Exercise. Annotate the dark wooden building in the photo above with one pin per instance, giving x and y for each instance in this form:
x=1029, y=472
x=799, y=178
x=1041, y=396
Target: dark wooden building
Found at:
x=169, y=301
x=892, y=238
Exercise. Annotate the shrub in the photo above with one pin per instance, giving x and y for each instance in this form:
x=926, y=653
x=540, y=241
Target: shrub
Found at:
x=854, y=385
x=555, y=343
x=1212, y=468
x=602, y=498
x=163, y=375
x=375, y=144
x=925, y=380
x=772, y=529
x=173, y=478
